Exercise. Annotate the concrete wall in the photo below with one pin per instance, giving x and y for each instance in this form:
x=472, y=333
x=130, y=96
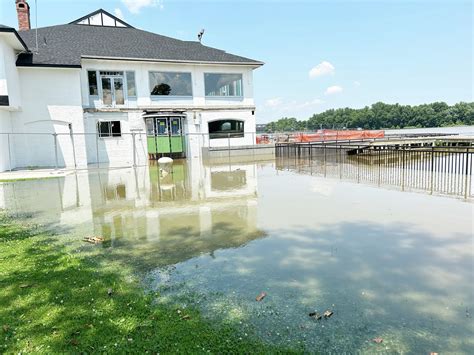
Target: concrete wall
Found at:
x=116, y=151
x=51, y=104
x=5, y=127
x=9, y=86
x=9, y=83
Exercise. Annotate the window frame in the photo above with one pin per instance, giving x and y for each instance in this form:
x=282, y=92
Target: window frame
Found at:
x=99, y=96
x=110, y=133
x=170, y=97
x=220, y=97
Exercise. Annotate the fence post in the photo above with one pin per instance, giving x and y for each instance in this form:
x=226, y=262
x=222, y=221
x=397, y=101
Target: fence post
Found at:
x=358, y=167
x=97, y=149
x=403, y=169
x=134, y=151
x=73, y=147
x=432, y=170
x=228, y=143
x=466, y=174
x=9, y=152
x=55, y=136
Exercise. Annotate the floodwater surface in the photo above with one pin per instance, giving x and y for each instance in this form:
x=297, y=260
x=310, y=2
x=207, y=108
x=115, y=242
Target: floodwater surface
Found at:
x=389, y=264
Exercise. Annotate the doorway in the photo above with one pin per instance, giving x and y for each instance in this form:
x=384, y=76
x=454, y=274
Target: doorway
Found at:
x=112, y=90
x=165, y=136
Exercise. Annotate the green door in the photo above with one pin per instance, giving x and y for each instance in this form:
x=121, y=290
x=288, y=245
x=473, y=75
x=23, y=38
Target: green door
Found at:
x=164, y=136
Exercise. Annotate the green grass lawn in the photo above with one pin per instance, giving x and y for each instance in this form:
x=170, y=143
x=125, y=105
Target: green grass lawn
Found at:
x=55, y=301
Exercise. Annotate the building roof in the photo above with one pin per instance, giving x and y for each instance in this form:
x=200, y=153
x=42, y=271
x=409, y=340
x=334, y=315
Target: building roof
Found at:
x=66, y=45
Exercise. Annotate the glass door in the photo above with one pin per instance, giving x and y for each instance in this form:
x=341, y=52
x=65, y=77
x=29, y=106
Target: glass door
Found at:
x=162, y=135
x=112, y=91
x=176, y=137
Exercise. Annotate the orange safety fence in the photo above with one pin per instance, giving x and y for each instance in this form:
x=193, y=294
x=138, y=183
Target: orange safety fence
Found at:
x=319, y=136
x=263, y=139
x=334, y=135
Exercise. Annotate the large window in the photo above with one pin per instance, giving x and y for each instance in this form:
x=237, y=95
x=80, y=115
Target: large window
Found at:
x=226, y=128
x=170, y=84
x=112, y=87
x=223, y=84
x=109, y=129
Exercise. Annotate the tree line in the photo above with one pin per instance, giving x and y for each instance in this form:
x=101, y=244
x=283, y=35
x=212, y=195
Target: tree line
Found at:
x=380, y=116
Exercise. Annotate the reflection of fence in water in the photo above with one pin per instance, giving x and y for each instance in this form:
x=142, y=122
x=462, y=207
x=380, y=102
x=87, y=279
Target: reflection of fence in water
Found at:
x=436, y=170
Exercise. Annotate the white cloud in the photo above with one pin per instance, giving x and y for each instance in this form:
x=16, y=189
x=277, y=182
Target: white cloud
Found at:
x=134, y=6
x=118, y=13
x=323, y=68
x=356, y=83
x=273, y=102
x=335, y=89
x=311, y=103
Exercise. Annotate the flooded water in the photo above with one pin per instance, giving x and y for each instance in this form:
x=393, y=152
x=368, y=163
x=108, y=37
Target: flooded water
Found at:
x=390, y=264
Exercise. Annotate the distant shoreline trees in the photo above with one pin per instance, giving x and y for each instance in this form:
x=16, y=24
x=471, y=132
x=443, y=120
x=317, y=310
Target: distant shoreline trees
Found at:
x=380, y=116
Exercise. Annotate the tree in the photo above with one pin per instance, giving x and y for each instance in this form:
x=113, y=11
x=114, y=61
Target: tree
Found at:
x=382, y=115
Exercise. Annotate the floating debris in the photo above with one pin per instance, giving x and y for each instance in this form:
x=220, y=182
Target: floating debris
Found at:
x=377, y=340
x=261, y=296
x=315, y=315
x=328, y=313
x=93, y=240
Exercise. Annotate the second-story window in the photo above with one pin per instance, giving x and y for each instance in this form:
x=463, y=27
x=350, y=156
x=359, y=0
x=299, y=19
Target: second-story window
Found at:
x=131, y=87
x=93, y=88
x=112, y=87
x=170, y=84
x=223, y=84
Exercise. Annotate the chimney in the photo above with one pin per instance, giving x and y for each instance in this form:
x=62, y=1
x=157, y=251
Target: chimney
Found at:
x=23, y=13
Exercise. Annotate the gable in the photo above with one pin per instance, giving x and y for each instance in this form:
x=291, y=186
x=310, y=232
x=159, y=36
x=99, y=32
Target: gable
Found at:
x=100, y=18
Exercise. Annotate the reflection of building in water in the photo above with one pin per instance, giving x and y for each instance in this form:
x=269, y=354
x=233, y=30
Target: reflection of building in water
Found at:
x=191, y=200
x=194, y=209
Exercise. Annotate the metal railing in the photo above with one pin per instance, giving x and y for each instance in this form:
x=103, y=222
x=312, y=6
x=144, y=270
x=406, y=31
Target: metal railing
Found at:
x=83, y=150
x=440, y=170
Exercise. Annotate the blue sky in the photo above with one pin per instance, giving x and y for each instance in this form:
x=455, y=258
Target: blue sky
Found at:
x=318, y=54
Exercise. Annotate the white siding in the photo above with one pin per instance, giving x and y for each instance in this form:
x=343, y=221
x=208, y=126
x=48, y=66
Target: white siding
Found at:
x=51, y=101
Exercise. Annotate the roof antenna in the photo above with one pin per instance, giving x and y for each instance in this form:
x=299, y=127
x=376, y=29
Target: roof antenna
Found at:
x=36, y=25
x=200, y=34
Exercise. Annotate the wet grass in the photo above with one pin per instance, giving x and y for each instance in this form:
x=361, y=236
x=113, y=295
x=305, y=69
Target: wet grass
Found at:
x=54, y=300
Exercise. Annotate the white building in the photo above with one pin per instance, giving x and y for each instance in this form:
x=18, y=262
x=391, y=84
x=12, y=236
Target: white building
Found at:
x=97, y=90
